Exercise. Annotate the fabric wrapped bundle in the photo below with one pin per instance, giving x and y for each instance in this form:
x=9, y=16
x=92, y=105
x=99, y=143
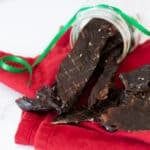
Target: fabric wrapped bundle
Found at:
x=37, y=130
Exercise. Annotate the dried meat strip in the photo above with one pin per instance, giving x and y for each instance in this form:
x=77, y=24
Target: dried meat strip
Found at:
x=92, y=113
x=80, y=64
x=133, y=113
x=138, y=80
x=42, y=102
x=105, y=81
x=125, y=109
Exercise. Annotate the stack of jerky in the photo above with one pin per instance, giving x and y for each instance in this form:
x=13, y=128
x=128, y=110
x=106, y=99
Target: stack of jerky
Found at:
x=90, y=68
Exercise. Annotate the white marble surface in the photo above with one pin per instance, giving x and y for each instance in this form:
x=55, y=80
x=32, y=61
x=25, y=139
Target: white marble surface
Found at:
x=26, y=27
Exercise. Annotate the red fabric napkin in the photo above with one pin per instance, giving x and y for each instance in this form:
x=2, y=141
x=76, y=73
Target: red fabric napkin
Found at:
x=36, y=129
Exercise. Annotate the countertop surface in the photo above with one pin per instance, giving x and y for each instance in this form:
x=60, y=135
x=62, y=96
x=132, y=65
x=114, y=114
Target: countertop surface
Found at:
x=26, y=27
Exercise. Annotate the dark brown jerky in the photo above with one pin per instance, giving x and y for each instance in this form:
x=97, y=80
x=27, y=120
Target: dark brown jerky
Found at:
x=134, y=109
x=105, y=81
x=75, y=117
x=80, y=64
x=126, y=110
x=133, y=114
x=92, y=113
x=138, y=80
x=46, y=99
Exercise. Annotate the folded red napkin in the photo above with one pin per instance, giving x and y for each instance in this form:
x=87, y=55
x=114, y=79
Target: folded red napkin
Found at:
x=36, y=129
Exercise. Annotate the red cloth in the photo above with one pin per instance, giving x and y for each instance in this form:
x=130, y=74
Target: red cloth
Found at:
x=36, y=129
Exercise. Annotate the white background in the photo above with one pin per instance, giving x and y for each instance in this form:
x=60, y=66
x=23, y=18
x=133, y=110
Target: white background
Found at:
x=26, y=27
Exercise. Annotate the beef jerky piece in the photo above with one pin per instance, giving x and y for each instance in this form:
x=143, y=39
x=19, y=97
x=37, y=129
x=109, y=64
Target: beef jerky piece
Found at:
x=132, y=114
x=89, y=114
x=114, y=44
x=80, y=64
x=134, y=109
x=75, y=117
x=42, y=102
x=137, y=80
x=101, y=89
